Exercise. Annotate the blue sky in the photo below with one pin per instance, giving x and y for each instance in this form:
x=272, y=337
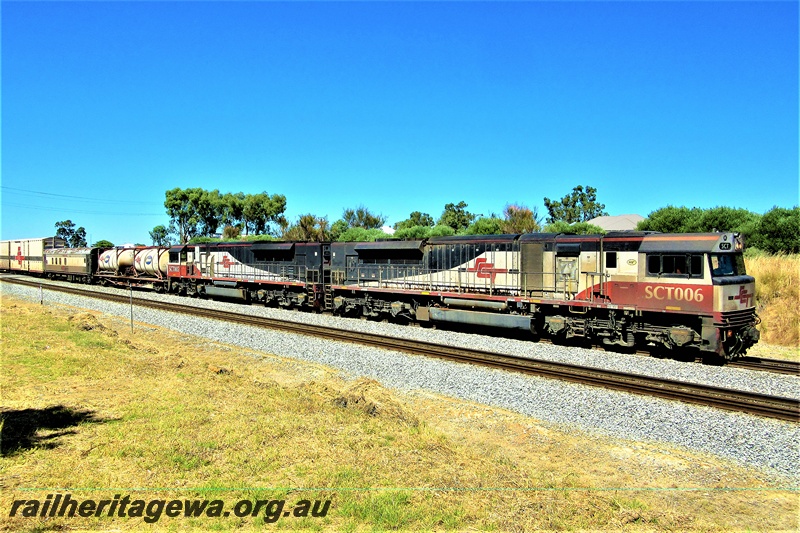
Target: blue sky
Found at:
x=397, y=106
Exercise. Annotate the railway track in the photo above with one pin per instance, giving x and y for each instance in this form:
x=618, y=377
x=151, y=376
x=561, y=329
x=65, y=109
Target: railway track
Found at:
x=768, y=365
x=776, y=366
x=747, y=402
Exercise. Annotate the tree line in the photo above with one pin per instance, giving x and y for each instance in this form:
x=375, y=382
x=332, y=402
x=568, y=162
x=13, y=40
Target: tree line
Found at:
x=196, y=215
x=776, y=231
x=196, y=212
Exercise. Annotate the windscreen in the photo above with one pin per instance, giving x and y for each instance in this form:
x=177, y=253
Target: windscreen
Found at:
x=727, y=265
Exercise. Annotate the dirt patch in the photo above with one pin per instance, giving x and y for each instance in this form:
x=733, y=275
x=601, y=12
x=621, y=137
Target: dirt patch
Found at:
x=219, y=369
x=89, y=322
x=369, y=396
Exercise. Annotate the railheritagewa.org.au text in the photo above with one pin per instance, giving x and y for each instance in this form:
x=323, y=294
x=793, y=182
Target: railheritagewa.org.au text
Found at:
x=64, y=505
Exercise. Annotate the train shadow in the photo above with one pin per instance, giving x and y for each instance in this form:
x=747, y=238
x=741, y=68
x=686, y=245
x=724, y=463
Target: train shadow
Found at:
x=24, y=429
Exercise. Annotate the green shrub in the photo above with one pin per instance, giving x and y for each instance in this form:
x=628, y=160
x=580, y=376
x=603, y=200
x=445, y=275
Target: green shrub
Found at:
x=579, y=228
x=363, y=235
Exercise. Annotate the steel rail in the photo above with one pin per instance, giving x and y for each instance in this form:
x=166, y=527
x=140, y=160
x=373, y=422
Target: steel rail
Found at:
x=768, y=365
x=741, y=401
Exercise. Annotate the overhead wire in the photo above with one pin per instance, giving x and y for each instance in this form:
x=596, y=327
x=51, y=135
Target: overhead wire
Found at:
x=24, y=195
x=44, y=194
x=79, y=211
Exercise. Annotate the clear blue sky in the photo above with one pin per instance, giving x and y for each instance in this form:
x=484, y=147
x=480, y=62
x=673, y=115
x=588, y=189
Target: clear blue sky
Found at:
x=396, y=106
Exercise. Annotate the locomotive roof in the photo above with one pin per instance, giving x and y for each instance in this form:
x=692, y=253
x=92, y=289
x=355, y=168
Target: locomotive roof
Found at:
x=273, y=246
x=526, y=237
x=463, y=239
x=389, y=245
x=692, y=242
x=645, y=241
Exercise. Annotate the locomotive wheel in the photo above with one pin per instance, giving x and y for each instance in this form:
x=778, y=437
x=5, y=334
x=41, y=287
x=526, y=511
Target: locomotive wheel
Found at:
x=657, y=352
x=713, y=359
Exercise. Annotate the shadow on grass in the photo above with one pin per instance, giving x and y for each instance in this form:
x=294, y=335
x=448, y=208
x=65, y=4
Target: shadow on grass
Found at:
x=24, y=429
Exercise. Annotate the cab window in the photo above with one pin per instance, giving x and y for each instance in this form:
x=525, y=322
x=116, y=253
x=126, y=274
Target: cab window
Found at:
x=727, y=265
x=675, y=265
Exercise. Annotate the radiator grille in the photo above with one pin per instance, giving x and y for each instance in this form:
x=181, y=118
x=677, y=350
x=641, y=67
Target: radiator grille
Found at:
x=732, y=319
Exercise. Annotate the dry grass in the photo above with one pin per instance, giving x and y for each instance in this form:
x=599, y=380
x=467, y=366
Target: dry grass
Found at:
x=180, y=417
x=777, y=297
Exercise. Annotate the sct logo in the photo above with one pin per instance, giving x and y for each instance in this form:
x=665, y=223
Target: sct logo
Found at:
x=744, y=297
x=674, y=293
x=486, y=270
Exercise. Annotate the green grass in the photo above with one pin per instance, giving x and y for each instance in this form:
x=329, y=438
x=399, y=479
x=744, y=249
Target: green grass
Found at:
x=163, y=420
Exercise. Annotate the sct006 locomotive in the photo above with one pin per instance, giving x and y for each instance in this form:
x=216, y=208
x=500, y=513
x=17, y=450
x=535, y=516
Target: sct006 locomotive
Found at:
x=669, y=292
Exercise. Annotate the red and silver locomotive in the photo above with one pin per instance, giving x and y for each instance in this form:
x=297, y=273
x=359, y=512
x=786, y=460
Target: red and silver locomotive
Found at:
x=632, y=289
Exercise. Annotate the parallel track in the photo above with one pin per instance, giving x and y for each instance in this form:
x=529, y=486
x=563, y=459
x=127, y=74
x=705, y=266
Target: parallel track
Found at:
x=776, y=366
x=746, y=402
x=768, y=365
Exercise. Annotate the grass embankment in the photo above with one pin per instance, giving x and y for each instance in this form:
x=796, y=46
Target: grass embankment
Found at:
x=777, y=298
x=157, y=415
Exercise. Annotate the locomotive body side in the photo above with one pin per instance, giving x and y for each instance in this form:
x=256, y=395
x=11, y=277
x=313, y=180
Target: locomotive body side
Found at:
x=281, y=273
x=625, y=288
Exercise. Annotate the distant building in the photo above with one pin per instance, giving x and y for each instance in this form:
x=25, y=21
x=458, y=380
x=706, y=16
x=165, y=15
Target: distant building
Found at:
x=617, y=223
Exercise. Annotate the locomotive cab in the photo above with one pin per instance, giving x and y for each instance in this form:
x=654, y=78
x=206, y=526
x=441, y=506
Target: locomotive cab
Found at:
x=734, y=312
x=701, y=276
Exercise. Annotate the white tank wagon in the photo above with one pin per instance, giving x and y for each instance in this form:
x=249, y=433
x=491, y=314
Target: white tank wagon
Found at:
x=152, y=261
x=135, y=262
x=116, y=259
x=139, y=266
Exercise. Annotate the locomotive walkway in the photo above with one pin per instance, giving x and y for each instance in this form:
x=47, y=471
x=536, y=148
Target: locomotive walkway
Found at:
x=745, y=402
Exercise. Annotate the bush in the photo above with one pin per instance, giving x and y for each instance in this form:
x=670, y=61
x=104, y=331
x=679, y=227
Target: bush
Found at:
x=363, y=235
x=441, y=231
x=670, y=219
x=485, y=226
x=579, y=228
x=414, y=232
x=256, y=238
x=231, y=232
x=778, y=231
x=200, y=240
x=777, y=298
x=682, y=219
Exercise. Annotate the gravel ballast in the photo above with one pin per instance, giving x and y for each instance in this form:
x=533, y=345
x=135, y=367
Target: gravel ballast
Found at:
x=763, y=443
